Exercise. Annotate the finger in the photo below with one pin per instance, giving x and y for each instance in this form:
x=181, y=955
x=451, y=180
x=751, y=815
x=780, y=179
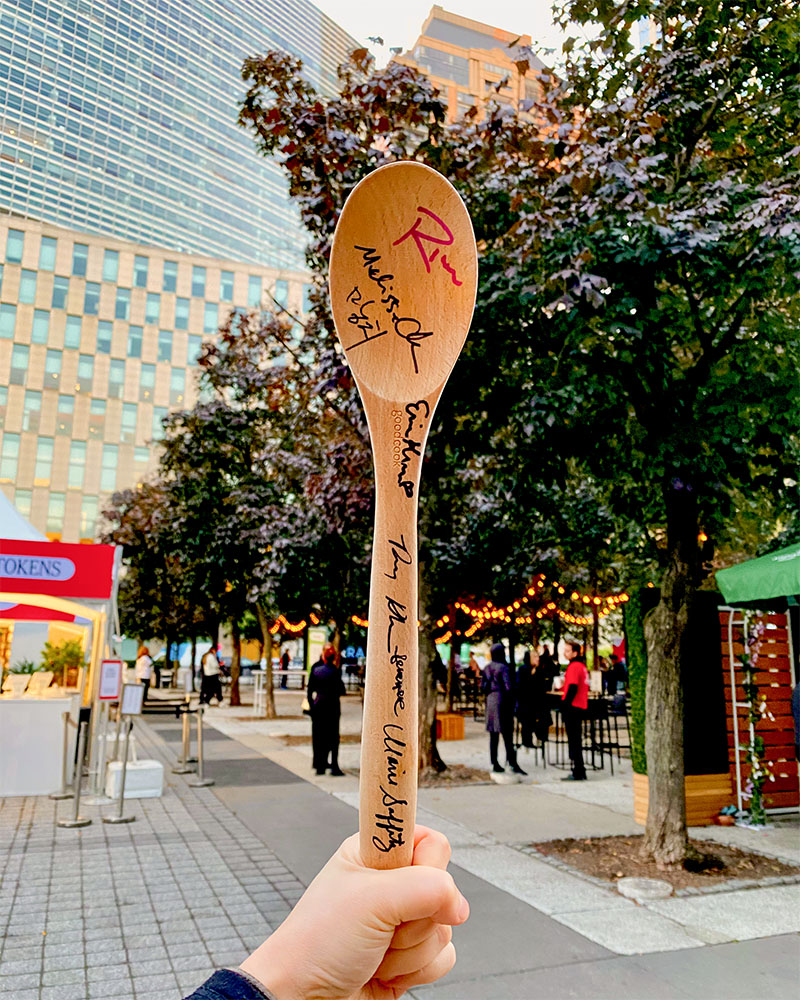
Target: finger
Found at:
x=404, y=894
x=430, y=848
x=407, y=935
x=439, y=967
x=403, y=963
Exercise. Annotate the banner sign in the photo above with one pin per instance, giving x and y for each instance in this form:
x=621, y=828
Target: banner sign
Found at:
x=56, y=568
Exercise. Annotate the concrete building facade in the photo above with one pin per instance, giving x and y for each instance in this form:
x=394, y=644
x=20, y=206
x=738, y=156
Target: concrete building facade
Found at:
x=472, y=62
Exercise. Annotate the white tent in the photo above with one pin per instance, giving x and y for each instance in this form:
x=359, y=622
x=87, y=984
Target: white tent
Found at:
x=13, y=524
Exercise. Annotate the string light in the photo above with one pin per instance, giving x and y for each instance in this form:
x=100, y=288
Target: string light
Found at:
x=361, y=622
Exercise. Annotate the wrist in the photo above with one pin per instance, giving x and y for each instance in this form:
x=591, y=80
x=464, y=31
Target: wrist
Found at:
x=267, y=969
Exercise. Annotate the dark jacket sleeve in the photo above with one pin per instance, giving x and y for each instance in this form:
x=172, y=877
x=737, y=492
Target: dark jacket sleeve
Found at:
x=569, y=697
x=229, y=985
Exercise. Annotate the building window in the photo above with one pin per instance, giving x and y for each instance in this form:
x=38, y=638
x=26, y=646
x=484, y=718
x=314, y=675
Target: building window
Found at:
x=159, y=415
x=72, y=333
x=8, y=321
x=55, y=514
x=198, y=282
x=88, y=516
x=127, y=432
x=47, y=254
x=108, y=469
x=177, y=386
x=116, y=378
x=14, y=246
x=104, y=330
x=134, y=342
x=85, y=373
x=52, y=369
x=1, y=275
x=23, y=501
x=41, y=326
x=91, y=298
x=27, y=287
x=254, y=290
x=97, y=417
x=282, y=292
x=60, y=293
x=77, y=464
x=307, y=304
x=44, y=461
x=147, y=383
x=66, y=409
x=141, y=456
x=165, y=345
x=181, y=314
x=170, y=276
x=32, y=410
x=210, y=317
x=110, y=265
x=3, y=404
x=194, y=349
x=226, y=286
x=80, y=256
x=122, y=308
x=19, y=364
x=152, y=309
x=9, y=456
x=140, y=272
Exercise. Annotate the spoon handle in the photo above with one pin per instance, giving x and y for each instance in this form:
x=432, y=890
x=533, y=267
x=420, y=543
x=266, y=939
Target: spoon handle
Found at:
x=389, y=741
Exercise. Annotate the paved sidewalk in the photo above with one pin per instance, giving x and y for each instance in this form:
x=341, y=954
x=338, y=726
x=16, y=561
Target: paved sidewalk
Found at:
x=149, y=909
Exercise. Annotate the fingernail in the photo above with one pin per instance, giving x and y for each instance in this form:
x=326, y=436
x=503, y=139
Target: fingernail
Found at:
x=463, y=910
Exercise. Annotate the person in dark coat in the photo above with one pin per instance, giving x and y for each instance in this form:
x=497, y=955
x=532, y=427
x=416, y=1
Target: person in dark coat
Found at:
x=549, y=667
x=500, y=709
x=532, y=710
x=325, y=689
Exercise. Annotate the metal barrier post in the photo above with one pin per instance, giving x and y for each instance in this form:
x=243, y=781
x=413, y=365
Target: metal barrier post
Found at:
x=77, y=820
x=119, y=818
x=200, y=781
x=118, y=732
x=183, y=764
x=64, y=794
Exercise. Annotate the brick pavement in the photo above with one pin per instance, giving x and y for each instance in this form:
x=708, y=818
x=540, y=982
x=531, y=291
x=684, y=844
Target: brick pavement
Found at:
x=146, y=910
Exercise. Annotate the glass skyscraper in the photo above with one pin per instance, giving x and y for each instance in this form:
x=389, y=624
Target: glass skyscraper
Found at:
x=119, y=117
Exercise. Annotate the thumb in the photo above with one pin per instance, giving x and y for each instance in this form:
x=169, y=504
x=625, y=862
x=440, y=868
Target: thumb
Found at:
x=418, y=892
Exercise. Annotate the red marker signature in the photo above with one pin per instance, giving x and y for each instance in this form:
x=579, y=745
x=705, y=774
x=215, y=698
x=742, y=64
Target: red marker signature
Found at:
x=420, y=238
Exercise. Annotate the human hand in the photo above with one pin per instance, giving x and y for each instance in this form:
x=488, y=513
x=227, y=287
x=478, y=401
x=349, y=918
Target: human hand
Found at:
x=362, y=934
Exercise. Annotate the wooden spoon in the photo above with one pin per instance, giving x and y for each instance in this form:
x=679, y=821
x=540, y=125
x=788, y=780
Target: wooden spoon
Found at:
x=403, y=279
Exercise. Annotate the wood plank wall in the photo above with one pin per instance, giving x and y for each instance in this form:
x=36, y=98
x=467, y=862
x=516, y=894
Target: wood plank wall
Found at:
x=775, y=679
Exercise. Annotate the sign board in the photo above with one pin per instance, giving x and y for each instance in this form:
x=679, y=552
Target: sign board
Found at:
x=110, y=680
x=57, y=569
x=132, y=699
x=316, y=638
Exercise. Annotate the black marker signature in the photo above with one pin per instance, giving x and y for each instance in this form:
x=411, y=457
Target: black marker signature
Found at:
x=400, y=556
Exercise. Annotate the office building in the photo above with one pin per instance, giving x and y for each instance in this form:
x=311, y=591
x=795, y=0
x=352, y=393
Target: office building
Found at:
x=134, y=216
x=472, y=63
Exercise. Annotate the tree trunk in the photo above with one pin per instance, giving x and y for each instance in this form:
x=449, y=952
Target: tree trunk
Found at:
x=665, y=838
x=556, y=637
x=266, y=638
x=595, y=638
x=429, y=758
x=451, y=666
x=236, y=660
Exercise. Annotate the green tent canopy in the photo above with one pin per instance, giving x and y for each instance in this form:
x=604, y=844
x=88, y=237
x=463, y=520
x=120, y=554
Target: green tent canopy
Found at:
x=774, y=575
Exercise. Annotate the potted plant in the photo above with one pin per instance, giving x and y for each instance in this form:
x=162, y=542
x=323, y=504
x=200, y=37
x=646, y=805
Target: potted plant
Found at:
x=65, y=660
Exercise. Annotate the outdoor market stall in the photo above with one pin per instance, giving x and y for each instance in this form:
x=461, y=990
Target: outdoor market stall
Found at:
x=760, y=669
x=51, y=586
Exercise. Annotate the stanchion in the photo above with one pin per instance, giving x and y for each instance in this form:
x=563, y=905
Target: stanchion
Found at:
x=65, y=793
x=97, y=759
x=77, y=820
x=119, y=818
x=183, y=764
x=117, y=732
x=200, y=781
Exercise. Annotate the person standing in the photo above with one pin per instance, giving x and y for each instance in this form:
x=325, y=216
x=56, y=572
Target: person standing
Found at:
x=500, y=709
x=575, y=701
x=144, y=669
x=210, y=685
x=325, y=689
x=548, y=665
x=532, y=710
x=285, y=661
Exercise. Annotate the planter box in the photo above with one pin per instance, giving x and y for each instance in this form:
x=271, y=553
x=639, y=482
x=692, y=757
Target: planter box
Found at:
x=706, y=794
x=449, y=726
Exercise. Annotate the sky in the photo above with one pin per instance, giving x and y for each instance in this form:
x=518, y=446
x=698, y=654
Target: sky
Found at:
x=399, y=22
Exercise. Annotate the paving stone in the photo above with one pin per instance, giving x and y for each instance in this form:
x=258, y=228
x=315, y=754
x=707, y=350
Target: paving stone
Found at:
x=63, y=977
